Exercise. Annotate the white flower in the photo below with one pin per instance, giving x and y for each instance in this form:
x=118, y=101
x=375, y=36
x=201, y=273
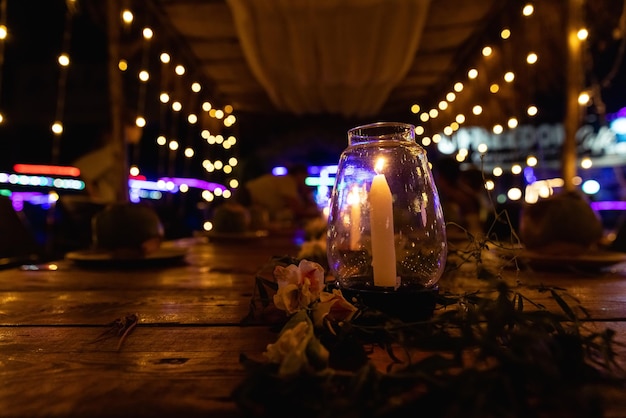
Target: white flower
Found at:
x=298, y=286
x=292, y=342
x=333, y=305
x=297, y=348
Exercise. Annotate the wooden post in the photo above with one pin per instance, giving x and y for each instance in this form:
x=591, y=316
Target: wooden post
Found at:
x=116, y=97
x=574, y=84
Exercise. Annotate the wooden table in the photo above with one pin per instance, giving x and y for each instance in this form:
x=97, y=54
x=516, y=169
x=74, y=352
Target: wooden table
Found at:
x=182, y=359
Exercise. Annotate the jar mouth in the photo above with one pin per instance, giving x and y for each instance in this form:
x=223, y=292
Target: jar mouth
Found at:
x=382, y=131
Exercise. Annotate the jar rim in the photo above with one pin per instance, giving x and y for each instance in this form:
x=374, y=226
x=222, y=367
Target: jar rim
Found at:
x=382, y=130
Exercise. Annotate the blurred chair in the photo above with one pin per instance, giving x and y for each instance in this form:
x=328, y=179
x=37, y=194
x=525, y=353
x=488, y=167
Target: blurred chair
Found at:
x=17, y=241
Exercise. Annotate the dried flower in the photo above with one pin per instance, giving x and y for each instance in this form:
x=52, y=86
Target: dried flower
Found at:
x=297, y=347
x=298, y=286
x=334, y=306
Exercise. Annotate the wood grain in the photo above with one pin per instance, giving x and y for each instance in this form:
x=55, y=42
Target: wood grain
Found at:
x=182, y=358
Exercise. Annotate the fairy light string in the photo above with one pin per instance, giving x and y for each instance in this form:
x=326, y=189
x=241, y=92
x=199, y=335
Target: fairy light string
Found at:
x=63, y=61
x=187, y=121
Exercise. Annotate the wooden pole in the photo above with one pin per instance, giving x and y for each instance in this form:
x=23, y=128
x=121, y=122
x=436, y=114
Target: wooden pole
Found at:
x=116, y=97
x=574, y=84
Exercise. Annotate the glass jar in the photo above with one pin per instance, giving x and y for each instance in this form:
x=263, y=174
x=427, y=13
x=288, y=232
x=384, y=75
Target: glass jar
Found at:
x=386, y=231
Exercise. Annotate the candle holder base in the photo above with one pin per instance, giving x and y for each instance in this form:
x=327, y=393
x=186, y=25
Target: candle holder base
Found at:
x=407, y=304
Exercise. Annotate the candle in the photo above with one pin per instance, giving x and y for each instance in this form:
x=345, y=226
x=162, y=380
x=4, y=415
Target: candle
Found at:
x=355, y=218
x=381, y=225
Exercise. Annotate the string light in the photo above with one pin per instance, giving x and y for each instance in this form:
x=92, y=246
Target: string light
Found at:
x=127, y=17
x=511, y=122
x=147, y=33
x=224, y=114
x=57, y=128
x=584, y=98
x=528, y=10
x=64, y=61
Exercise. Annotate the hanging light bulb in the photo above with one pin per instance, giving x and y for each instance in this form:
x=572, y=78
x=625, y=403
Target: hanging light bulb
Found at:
x=57, y=128
x=127, y=16
x=64, y=60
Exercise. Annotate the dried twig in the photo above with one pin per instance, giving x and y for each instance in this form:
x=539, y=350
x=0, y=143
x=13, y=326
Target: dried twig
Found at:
x=121, y=328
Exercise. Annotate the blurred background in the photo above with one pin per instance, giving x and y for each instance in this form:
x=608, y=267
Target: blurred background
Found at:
x=215, y=92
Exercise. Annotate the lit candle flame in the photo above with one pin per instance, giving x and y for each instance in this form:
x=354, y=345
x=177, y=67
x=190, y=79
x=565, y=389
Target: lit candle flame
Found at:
x=378, y=167
x=353, y=196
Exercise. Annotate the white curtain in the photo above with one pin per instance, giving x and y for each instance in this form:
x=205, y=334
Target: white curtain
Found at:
x=329, y=56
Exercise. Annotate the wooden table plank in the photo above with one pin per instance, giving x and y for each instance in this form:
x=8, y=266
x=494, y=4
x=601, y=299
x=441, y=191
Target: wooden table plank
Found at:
x=221, y=306
x=59, y=372
x=182, y=359
x=187, y=371
x=187, y=296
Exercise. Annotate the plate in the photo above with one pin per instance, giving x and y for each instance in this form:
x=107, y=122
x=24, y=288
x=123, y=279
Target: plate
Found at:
x=104, y=259
x=235, y=236
x=590, y=260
